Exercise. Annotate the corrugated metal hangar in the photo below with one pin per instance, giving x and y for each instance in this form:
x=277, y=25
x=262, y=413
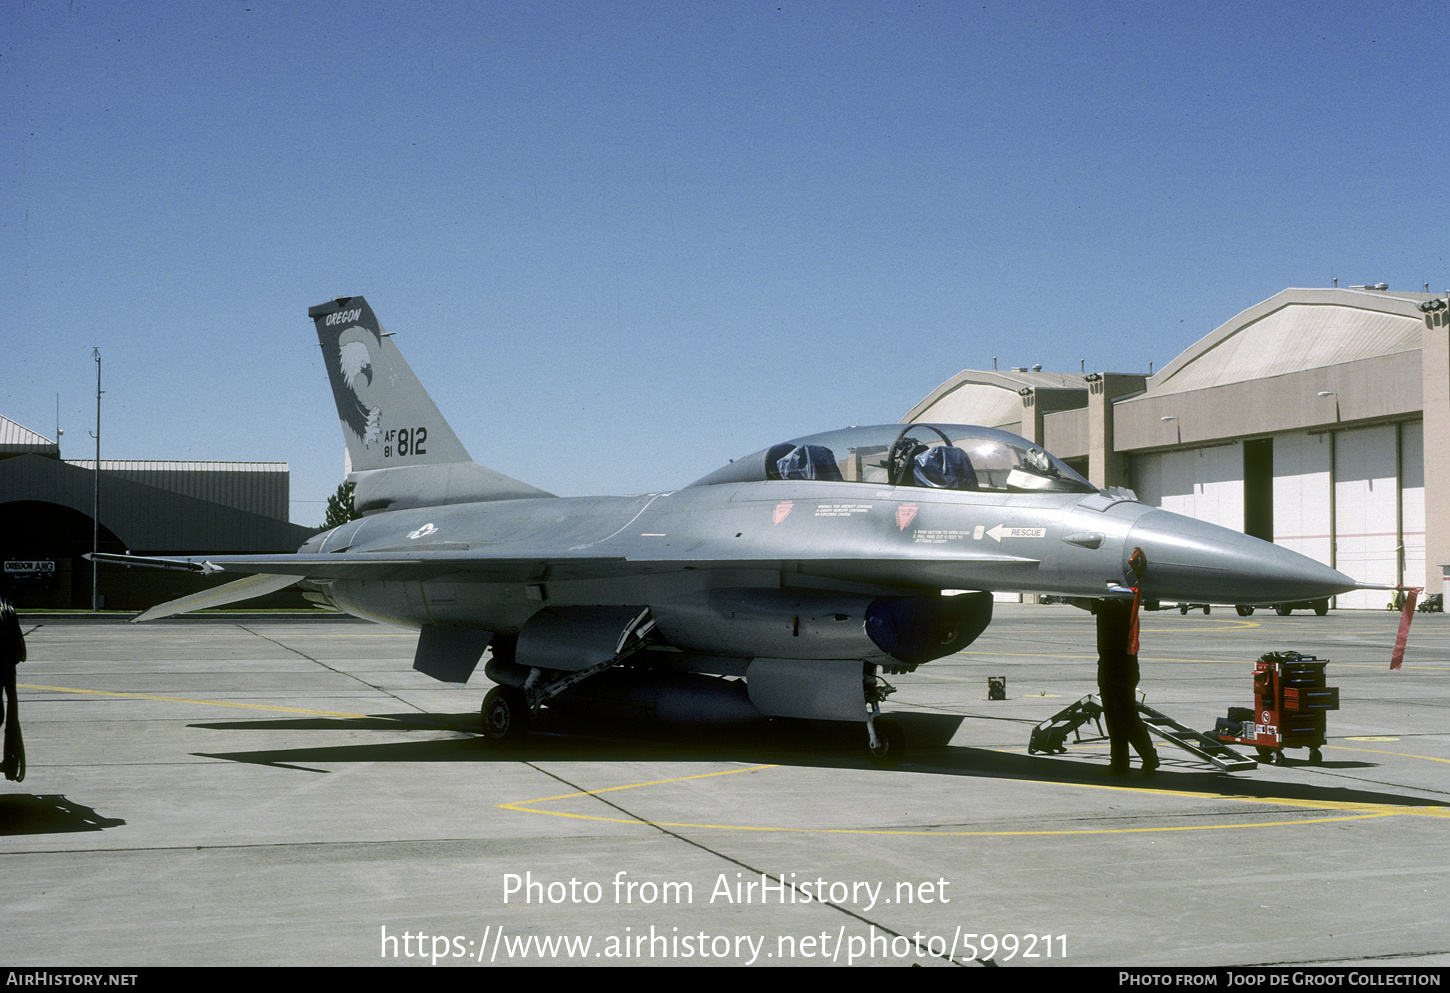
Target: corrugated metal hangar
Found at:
x=152, y=508
x=1318, y=419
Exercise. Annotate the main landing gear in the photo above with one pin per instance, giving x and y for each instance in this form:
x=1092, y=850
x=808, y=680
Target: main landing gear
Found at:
x=806, y=689
x=507, y=710
x=505, y=714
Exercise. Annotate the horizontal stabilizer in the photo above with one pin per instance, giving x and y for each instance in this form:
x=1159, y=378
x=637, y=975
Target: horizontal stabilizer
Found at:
x=434, y=486
x=242, y=589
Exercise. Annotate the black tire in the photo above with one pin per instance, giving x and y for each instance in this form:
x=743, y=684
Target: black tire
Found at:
x=1283, y=610
x=1315, y=756
x=505, y=714
x=1207, y=608
x=893, y=744
x=1321, y=607
x=1244, y=611
x=1183, y=609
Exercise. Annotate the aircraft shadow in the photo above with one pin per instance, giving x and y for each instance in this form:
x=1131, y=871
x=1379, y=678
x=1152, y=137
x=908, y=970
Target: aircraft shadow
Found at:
x=30, y=813
x=804, y=744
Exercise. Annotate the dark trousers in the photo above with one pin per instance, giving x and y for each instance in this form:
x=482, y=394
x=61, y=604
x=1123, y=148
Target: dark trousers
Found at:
x=1118, y=685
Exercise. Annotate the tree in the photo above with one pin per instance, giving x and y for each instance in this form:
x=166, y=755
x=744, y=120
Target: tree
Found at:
x=339, y=507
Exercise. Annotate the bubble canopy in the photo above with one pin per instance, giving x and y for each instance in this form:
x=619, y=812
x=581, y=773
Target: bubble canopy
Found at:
x=938, y=456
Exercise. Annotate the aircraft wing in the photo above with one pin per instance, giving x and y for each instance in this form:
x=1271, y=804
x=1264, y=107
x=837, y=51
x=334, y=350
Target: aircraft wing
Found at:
x=418, y=566
x=941, y=569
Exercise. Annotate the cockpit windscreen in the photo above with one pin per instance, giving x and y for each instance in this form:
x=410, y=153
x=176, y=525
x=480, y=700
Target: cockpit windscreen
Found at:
x=937, y=456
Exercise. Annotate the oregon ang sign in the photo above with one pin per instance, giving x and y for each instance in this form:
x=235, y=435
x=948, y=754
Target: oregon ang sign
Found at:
x=30, y=568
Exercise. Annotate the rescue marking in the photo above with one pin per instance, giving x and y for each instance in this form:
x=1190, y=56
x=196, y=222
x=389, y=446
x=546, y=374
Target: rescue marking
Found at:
x=1001, y=530
x=842, y=509
x=939, y=536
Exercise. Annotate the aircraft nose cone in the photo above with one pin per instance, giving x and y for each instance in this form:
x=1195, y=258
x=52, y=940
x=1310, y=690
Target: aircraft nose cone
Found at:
x=1197, y=561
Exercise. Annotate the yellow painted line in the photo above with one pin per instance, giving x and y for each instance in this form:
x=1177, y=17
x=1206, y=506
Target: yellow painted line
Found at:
x=1360, y=811
x=1365, y=809
x=209, y=703
x=974, y=656
x=54, y=632
x=522, y=805
x=1232, y=622
x=969, y=657
x=1381, y=751
x=1354, y=812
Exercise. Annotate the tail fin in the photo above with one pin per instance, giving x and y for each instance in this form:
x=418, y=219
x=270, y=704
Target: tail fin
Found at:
x=401, y=452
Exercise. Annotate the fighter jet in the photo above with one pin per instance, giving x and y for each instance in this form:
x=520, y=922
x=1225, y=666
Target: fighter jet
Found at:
x=787, y=583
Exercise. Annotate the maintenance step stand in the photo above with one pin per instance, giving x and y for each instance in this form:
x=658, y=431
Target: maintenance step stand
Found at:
x=1050, y=737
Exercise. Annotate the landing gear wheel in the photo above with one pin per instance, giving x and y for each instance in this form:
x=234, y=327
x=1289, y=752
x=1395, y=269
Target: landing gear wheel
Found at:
x=891, y=747
x=1321, y=607
x=505, y=714
x=1283, y=610
x=1315, y=756
x=1244, y=611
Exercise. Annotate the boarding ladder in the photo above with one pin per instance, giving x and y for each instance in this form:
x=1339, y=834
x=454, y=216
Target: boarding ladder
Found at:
x=1050, y=737
x=1195, y=742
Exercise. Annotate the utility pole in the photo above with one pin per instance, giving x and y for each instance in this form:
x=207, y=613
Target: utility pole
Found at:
x=96, y=496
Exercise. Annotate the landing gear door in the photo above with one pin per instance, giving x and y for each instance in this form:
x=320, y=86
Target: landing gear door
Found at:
x=450, y=654
x=569, y=639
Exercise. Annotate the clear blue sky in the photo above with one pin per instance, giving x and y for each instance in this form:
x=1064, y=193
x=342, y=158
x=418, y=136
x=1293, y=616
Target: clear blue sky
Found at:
x=624, y=242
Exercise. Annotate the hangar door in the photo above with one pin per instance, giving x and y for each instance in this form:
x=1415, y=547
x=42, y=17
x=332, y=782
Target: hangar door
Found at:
x=1379, y=508
x=1302, y=507
x=1412, y=509
x=1206, y=483
x=1353, y=499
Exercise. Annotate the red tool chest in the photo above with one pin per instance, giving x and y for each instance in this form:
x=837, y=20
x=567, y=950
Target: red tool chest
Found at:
x=1290, y=703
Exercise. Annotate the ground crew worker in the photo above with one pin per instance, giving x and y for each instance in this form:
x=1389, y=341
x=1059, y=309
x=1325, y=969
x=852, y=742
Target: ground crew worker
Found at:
x=1118, y=687
x=12, y=653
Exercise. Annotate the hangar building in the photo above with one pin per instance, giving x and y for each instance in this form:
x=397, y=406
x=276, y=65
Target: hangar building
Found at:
x=149, y=508
x=1318, y=419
